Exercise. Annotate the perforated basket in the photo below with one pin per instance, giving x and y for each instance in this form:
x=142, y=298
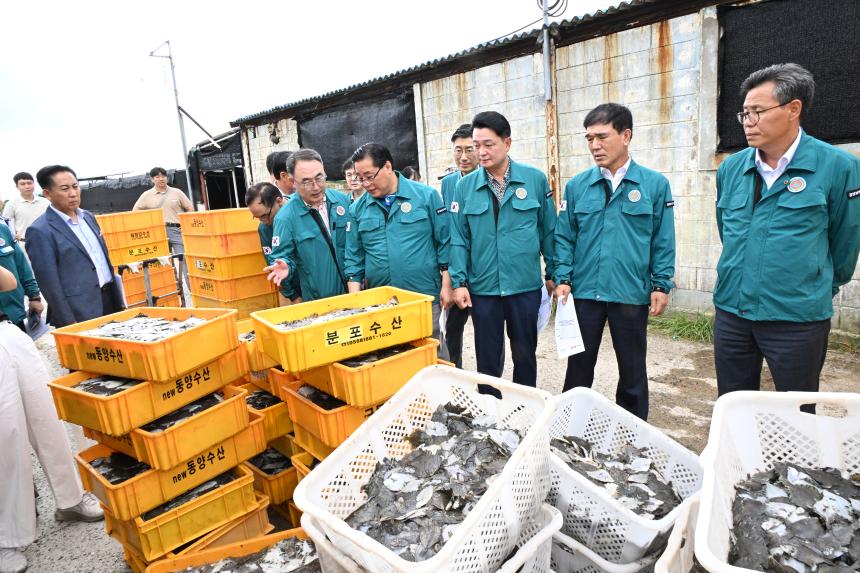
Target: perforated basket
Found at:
x=570, y=556
x=491, y=530
x=678, y=555
x=750, y=431
x=591, y=515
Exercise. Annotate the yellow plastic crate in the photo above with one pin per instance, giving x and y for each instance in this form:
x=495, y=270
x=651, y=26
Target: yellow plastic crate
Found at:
x=279, y=488
x=243, y=243
x=135, y=237
x=332, y=427
x=134, y=561
x=295, y=513
x=161, y=297
x=154, y=538
x=151, y=488
x=231, y=289
x=217, y=554
x=277, y=422
x=130, y=220
x=277, y=379
x=375, y=382
x=285, y=444
x=302, y=462
x=217, y=222
x=121, y=413
x=310, y=443
x=159, y=276
x=318, y=344
x=162, y=361
x=243, y=306
x=230, y=267
x=135, y=253
x=257, y=360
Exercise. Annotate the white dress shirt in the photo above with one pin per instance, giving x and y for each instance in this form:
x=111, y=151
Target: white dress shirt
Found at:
x=90, y=241
x=616, y=179
x=771, y=174
x=323, y=211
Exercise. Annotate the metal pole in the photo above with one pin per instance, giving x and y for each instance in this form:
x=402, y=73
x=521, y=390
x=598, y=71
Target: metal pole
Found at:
x=235, y=186
x=182, y=124
x=547, y=81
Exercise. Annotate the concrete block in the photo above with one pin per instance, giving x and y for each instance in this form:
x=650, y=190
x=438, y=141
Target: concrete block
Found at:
x=850, y=294
x=656, y=159
x=562, y=58
x=633, y=40
x=519, y=67
x=489, y=74
x=691, y=300
x=588, y=51
x=685, y=277
x=684, y=158
x=706, y=279
x=570, y=78
x=849, y=319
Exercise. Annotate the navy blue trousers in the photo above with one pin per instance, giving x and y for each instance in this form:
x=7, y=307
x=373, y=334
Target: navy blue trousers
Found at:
x=518, y=313
x=794, y=351
x=628, y=326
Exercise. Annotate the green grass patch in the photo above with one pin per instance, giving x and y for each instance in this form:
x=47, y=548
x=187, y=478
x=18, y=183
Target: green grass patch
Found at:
x=697, y=327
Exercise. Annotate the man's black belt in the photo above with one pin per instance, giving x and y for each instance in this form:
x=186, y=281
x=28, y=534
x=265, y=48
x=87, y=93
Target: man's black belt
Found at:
x=107, y=287
x=172, y=224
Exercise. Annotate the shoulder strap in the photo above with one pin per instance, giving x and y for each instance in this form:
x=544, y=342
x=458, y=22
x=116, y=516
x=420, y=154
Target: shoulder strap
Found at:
x=315, y=215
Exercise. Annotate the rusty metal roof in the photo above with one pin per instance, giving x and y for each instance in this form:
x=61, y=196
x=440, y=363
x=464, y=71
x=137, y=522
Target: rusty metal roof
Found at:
x=627, y=14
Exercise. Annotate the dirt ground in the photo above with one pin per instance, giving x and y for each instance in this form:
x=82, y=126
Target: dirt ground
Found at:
x=682, y=390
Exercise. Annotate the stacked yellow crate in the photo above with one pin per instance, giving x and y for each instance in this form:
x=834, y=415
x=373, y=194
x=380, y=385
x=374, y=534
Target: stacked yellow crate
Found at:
x=198, y=363
x=134, y=236
x=311, y=355
x=225, y=261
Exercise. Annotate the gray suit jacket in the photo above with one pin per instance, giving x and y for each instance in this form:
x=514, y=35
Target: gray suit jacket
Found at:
x=64, y=270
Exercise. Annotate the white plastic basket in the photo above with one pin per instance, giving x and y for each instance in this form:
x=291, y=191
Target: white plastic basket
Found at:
x=591, y=515
x=532, y=556
x=571, y=556
x=678, y=555
x=752, y=430
x=491, y=530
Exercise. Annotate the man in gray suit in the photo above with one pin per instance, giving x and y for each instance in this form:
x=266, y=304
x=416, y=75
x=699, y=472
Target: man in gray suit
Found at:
x=69, y=255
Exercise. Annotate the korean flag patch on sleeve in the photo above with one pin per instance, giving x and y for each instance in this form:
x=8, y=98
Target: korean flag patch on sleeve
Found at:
x=562, y=206
x=455, y=207
x=276, y=241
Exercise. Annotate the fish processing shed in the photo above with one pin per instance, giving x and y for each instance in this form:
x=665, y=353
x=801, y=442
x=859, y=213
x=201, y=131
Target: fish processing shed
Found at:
x=677, y=64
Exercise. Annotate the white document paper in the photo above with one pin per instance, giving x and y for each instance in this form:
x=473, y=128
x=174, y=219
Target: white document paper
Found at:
x=545, y=310
x=568, y=338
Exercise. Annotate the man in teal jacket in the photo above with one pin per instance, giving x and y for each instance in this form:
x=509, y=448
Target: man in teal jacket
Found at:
x=13, y=259
x=788, y=212
x=615, y=251
x=398, y=234
x=264, y=200
x=312, y=229
x=504, y=218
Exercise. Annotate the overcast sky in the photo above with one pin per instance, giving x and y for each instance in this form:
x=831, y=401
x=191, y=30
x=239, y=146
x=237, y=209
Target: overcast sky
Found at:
x=78, y=87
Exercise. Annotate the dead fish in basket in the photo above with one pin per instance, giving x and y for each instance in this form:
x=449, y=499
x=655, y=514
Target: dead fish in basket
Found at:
x=334, y=314
x=797, y=519
x=142, y=328
x=414, y=504
x=628, y=475
x=292, y=555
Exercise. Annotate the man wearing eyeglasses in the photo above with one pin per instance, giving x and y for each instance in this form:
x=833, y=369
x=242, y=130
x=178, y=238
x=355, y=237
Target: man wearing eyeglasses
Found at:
x=788, y=213
x=312, y=231
x=400, y=234
x=467, y=161
x=356, y=190
x=264, y=200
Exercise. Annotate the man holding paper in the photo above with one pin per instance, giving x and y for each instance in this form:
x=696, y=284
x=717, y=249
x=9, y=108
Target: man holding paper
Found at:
x=615, y=252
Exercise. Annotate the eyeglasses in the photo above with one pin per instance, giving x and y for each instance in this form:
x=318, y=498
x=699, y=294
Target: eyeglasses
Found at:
x=317, y=181
x=364, y=180
x=754, y=115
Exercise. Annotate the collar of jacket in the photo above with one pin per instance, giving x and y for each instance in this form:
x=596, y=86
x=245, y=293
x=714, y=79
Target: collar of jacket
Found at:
x=517, y=175
x=805, y=158
x=634, y=174
x=329, y=202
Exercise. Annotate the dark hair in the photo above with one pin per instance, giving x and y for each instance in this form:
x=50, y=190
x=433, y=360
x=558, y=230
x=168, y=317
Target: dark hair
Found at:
x=266, y=192
x=791, y=82
x=348, y=164
x=22, y=176
x=378, y=154
x=411, y=172
x=464, y=130
x=277, y=160
x=302, y=155
x=157, y=171
x=610, y=113
x=492, y=120
x=45, y=175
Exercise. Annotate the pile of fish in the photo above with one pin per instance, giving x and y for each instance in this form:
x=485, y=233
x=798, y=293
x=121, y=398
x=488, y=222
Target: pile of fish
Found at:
x=182, y=413
x=191, y=494
x=260, y=399
x=271, y=462
x=333, y=315
x=628, y=475
x=415, y=504
x=106, y=385
x=291, y=555
x=797, y=519
x=320, y=398
x=376, y=356
x=247, y=336
x=142, y=328
x=118, y=467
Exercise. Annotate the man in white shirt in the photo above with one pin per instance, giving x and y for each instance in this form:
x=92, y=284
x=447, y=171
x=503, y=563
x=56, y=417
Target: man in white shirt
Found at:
x=21, y=211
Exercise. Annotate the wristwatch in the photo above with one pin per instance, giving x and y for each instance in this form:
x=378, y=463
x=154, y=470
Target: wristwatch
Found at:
x=37, y=298
x=659, y=289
